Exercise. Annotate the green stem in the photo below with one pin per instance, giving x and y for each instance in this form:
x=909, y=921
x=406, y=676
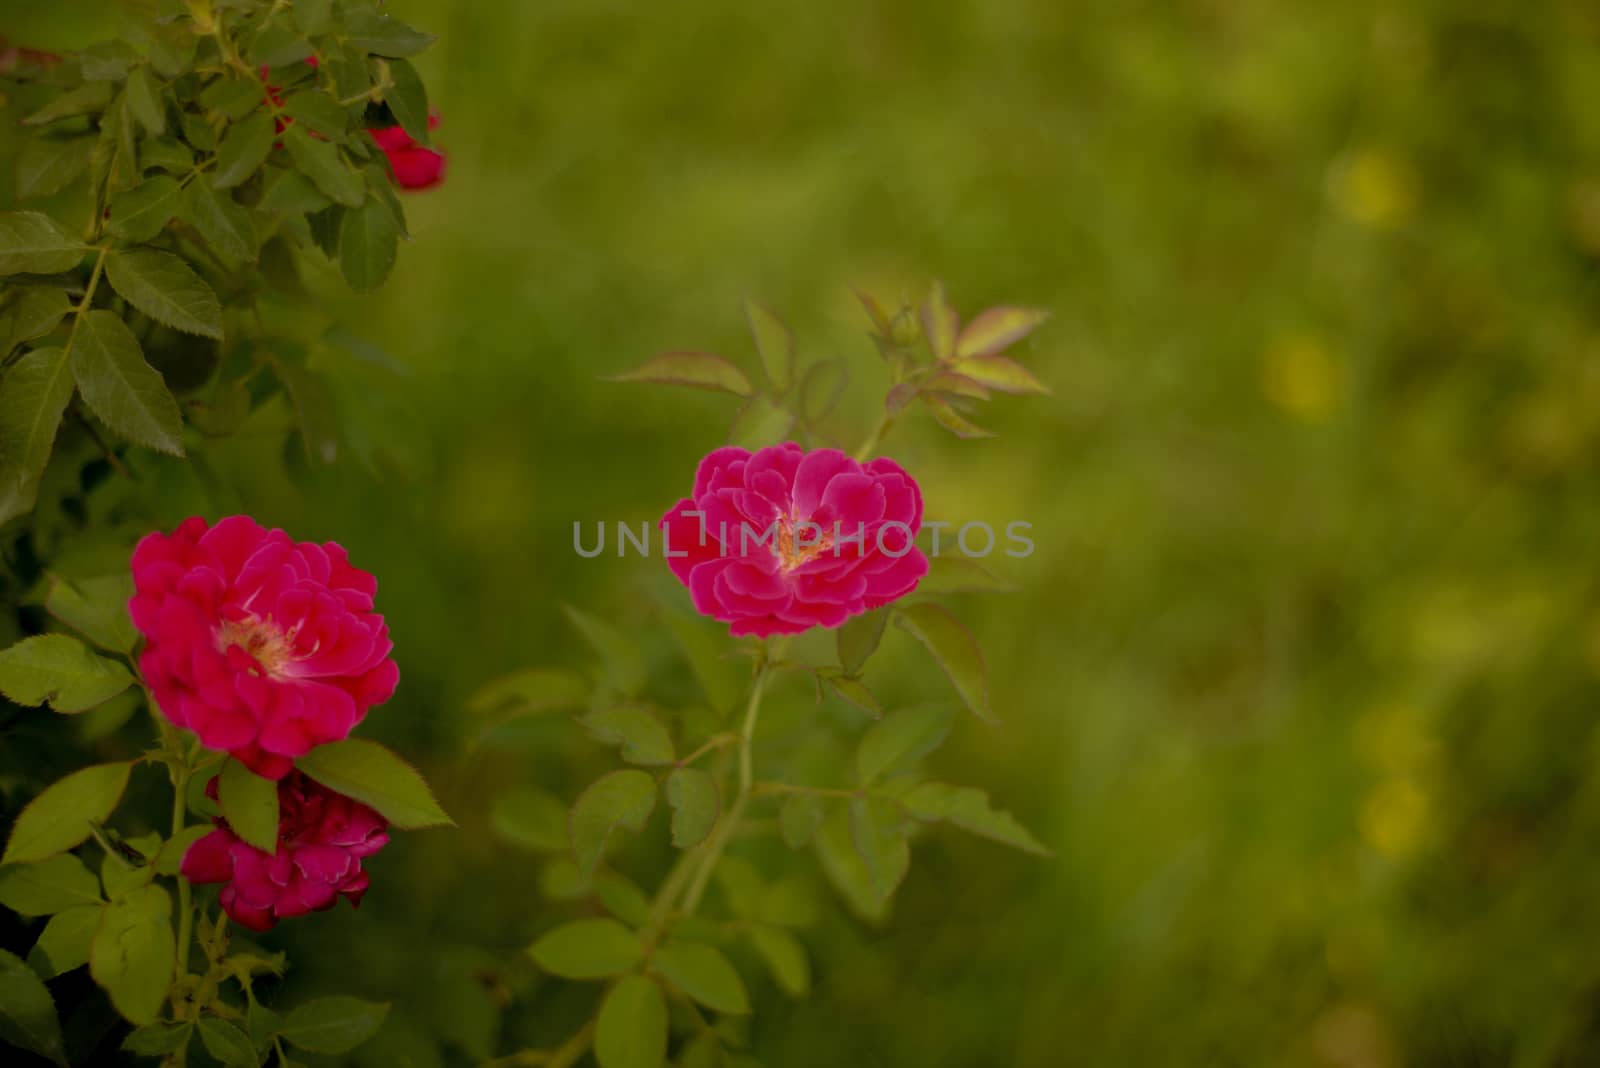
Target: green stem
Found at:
x=180, y=805
x=875, y=438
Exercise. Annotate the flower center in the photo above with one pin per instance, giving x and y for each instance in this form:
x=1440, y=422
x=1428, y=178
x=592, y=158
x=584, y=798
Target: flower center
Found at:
x=795, y=547
x=261, y=638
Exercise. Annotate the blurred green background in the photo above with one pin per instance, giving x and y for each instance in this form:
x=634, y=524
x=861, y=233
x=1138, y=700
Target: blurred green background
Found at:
x=1301, y=683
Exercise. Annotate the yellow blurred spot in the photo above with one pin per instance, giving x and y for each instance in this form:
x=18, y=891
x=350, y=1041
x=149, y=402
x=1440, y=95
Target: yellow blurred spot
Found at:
x=1583, y=214
x=1373, y=189
x=1394, y=817
x=1391, y=738
x=1300, y=376
x=1353, y=1035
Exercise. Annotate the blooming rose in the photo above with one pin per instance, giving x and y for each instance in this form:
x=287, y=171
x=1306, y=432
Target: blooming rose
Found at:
x=263, y=646
x=322, y=838
x=415, y=166
x=785, y=540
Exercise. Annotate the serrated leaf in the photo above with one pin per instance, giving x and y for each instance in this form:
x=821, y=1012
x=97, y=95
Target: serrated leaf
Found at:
x=324, y=164
x=120, y=387
x=97, y=608
x=227, y=1043
x=774, y=343
x=49, y=886
x=167, y=289
x=140, y=213
x=333, y=1025
x=700, y=370
x=799, y=817
x=59, y=669
x=587, y=949
x=968, y=808
x=408, y=100
x=244, y=148
x=900, y=739
x=34, y=243
x=144, y=100
x=1000, y=373
x=87, y=99
x=63, y=945
x=222, y=221
x=47, y=164
x=278, y=46
x=643, y=738
x=631, y=1030
x=33, y=396
x=692, y=794
x=36, y=311
x=369, y=240
x=996, y=329
x=621, y=799
x=946, y=416
x=955, y=650
x=858, y=639
x=940, y=323
x=27, y=1014
x=377, y=778
x=624, y=663
x=133, y=953
x=785, y=958
x=250, y=805
x=384, y=36
x=64, y=812
x=852, y=690
x=531, y=818
x=877, y=830
x=702, y=972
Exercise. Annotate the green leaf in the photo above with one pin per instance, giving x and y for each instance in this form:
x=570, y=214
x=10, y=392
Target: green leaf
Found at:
x=624, y=663
x=621, y=799
x=167, y=155
x=313, y=407
x=408, y=99
x=227, y=1043
x=165, y=288
x=107, y=61
x=32, y=243
x=132, y=954
x=33, y=396
x=120, y=387
x=60, y=817
x=48, y=164
x=97, y=608
x=84, y=100
x=243, y=150
x=955, y=650
x=378, y=778
x=702, y=972
x=140, y=213
x=877, y=830
x=528, y=692
x=775, y=343
x=41, y=889
x=291, y=191
x=799, y=817
x=939, y=323
x=900, y=739
x=60, y=669
x=334, y=1025
x=968, y=808
x=369, y=240
x=314, y=17
x=845, y=869
x=701, y=370
x=636, y=729
x=996, y=329
x=587, y=949
x=622, y=898
x=822, y=389
x=158, y=1039
x=853, y=691
x=234, y=97
x=250, y=805
x=631, y=1031
x=224, y=224
x=64, y=943
x=199, y=132
x=121, y=877
x=36, y=311
x=693, y=796
x=27, y=1015
x=1000, y=373
x=945, y=414
x=324, y=164
x=320, y=112
x=384, y=36
x=144, y=101
x=531, y=818
x=758, y=423
x=785, y=958
x=278, y=46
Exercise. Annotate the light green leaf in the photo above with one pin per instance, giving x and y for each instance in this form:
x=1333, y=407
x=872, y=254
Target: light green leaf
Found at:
x=144, y=100
x=785, y=958
x=631, y=1031
x=940, y=323
x=858, y=639
x=59, y=882
x=59, y=669
x=693, y=796
x=587, y=949
x=799, y=817
x=121, y=876
x=996, y=329
x=132, y=954
x=759, y=423
x=64, y=943
x=622, y=898
x=624, y=663
x=643, y=738
x=408, y=99
x=33, y=396
x=334, y=1025
x=244, y=148
x=224, y=224
x=27, y=1015
x=33, y=243
x=324, y=164
x=702, y=972
x=47, y=164
x=968, y=808
x=852, y=690
x=140, y=213
x=97, y=608
x=250, y=805
x=60, y=817
x=369, y=240
x=945, y=414
x=900, y=739
x=531, y=818
x=775, y=343
x=384, y=36
x=120, y=387
x=621, y=799
x=955, y=650
x=701, y=370
x=376, y=777
x=1000, y=373
x=877, y=830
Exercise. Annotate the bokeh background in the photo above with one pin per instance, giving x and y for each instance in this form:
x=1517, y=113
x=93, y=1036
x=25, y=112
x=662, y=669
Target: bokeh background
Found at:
x=1301, y=683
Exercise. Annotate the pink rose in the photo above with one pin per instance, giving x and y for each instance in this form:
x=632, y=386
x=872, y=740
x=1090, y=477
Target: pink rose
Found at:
x=322, y=838
x=263, y=646
x=415, y=166
x=786, y=540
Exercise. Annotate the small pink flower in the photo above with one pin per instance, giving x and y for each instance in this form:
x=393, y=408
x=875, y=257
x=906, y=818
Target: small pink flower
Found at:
x=786, y=540
x=322, y=838
x=415, y=166
x=263, y=646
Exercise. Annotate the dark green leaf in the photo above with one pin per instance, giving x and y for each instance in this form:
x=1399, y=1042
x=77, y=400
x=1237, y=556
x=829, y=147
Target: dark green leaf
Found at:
x=120, y=387
x=133, y=953
x=167, y=289
x=244, y=148
x=107, y=61
x=692, y=794
x=314, y=17
x=27, y=1015
x=702, y=972
x=33, y=395
x=853, y=691
x=334, y=1025
x=369, y=240
x=799, y=817
x=955, y=650
x=199, y=132
x=376, y=777
x=59, y=669
x=167, y=155
x=221, y=221
x=278, y=46
x=87, y=99
x=144, y=101
x=250, y=805
x=408, y=99
x=47, y=164
x=158, y=1039
x=36, y=311
x=384, y=36
x=292, y=191
x=587, y=949
x=64, y=943
x=140, y=213
x=320, y=112
x=636, y=729
x=227, y=1043
x=234, y=97
x=621, y=799
x=36, y=244
x=324, y=164
x=620, y=654
x=631, y=1031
